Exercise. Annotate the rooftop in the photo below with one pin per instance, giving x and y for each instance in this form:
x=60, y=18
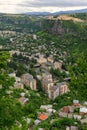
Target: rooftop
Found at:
x=43, y=116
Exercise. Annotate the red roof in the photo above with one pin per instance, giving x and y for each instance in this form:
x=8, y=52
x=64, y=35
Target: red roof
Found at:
x=76, y=104
x=65, y=109
x=43, y=117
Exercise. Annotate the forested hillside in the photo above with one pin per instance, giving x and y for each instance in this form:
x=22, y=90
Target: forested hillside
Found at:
x=23, y=41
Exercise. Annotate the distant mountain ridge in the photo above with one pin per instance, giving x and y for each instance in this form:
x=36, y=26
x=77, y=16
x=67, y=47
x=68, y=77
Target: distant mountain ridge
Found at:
x=57, y=13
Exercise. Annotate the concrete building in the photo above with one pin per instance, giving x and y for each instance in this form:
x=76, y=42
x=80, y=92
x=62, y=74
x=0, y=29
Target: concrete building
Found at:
x=18, y=85
x=63, y=88
x=47, y=82
x=52, y=90
x=29, y=81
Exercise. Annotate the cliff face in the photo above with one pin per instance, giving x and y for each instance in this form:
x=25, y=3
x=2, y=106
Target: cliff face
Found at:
x=57, y=28
x=63, y=24
x=54, y=27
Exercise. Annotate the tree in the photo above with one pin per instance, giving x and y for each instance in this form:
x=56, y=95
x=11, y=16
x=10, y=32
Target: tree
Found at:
x=78, y=74
x=9, y=112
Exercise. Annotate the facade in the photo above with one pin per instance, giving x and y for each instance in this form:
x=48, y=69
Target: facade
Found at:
x=54, y=92
x=63, y=88
x=18, y=85
x=50, y=89
x=28, y=80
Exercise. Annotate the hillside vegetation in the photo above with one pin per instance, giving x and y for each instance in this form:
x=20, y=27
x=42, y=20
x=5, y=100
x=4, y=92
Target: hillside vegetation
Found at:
x=64, y=38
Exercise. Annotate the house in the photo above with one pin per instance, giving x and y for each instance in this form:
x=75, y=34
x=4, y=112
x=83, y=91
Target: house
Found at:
x=45, y=107
x=22, y=94
x=78, y=117
x=83, y=121
x=76, y=103
x=28, y=80
x=71, y=109
x=70, y=115
x=41, y=60
x=83, y=110
x=74, y=128
x=18, y=79
x=57, y=65
x=62, y=114
x=50, y=59
x=23, y=100
x=67, y=128
x=14, y=52
x=36, y=122
x=40, y=129
x=12, y=75
x=50, y=111
x=65, y=109
x=42, y=116
x=71, y=128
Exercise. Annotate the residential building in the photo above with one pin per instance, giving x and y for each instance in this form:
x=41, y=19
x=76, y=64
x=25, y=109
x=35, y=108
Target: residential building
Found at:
x=36, y=122
x=83, y=110
x=23, y=100
x=71, y=128
x=63, y=88
x=45, y=107
x=57, y=65
x=42, y=116
x=41, y=60
x=76, y=103
x=52, y=90
x=18, y=85
x=50, y=59
x=83, y=121
x=29, y=81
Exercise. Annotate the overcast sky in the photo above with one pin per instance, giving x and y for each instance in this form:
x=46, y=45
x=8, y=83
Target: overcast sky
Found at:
x=21, y=6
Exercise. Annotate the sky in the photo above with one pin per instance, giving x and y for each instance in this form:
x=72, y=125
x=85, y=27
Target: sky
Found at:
x=22, y=6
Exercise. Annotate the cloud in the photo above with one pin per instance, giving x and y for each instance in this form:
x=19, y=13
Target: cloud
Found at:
x=54, y=3
x=20, y=6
